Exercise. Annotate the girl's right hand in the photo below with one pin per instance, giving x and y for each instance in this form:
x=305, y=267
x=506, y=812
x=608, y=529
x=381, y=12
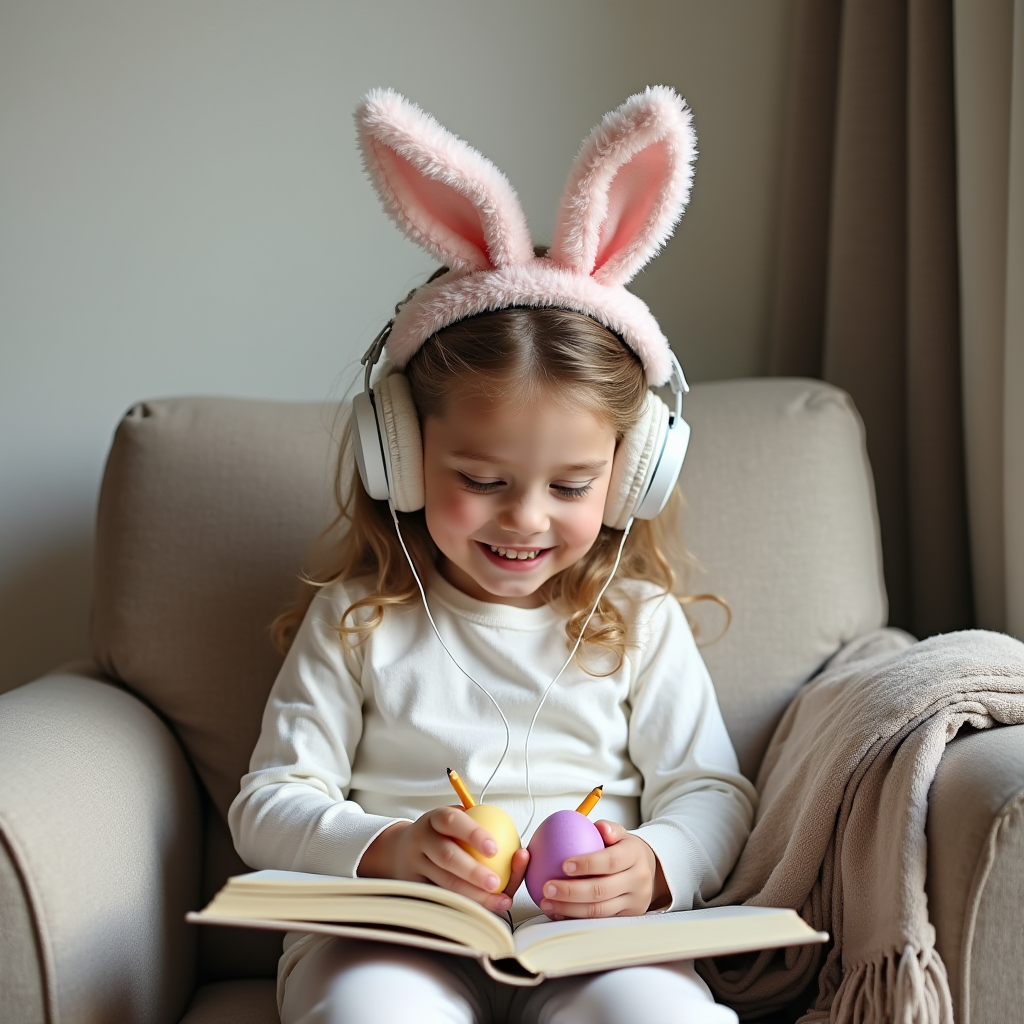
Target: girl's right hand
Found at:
x=426, y=850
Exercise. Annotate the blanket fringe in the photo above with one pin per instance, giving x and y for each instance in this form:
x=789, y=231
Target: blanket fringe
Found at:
x=911, y=988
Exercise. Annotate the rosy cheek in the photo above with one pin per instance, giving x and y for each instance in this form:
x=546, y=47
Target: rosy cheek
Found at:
x=460, y=512
x=587, y=527
x=451, y=510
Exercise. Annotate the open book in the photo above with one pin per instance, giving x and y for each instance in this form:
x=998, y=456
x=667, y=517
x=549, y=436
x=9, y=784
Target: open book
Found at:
x=415, y=914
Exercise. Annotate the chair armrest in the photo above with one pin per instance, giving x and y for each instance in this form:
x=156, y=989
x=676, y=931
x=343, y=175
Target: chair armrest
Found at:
x=100, y=849
x=976, y=872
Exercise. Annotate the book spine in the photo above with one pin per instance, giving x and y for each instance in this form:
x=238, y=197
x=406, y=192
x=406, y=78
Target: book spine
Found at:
x=510, y=972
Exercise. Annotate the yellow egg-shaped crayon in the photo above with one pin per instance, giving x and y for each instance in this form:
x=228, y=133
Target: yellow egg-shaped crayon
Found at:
x=503, y=832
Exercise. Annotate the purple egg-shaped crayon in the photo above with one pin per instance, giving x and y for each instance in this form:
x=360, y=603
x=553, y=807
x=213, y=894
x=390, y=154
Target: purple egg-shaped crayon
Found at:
x=560, y=835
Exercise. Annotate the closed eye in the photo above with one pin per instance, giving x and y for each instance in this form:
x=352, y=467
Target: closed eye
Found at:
x=479, y=486
x=490, y=486
x=572, y=492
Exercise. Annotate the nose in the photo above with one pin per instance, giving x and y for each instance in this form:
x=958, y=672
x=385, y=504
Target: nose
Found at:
x=525, y=513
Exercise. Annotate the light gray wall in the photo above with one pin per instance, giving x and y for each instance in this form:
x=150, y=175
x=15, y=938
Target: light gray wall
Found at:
x=182, y=212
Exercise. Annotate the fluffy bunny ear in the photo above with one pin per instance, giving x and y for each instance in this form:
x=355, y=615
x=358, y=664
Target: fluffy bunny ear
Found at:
x=628, y=188
x=442, y=193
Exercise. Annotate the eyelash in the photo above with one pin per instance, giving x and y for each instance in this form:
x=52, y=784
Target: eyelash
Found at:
x=573, y=492
x=487, y=488
x=477, y=487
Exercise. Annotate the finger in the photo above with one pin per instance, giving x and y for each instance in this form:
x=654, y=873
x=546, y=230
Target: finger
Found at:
x=621, y=906
x=455, y=823
x=520, y=861
x=611, y=831
x=449, y=857
x=608, y=861
x=589, y=890
x=497, y=902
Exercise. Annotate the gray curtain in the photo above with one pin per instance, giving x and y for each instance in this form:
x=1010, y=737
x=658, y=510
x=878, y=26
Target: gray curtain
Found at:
x=868, y=277
x=989, y=36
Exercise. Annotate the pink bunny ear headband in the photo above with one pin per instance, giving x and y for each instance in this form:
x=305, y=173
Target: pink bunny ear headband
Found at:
x=624, y=196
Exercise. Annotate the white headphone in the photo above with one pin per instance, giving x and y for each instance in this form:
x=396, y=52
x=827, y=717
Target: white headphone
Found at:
x=389, y=446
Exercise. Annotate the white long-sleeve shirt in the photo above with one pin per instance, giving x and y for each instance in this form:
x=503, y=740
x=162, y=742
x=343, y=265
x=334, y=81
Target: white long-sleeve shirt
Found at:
x=354, y=740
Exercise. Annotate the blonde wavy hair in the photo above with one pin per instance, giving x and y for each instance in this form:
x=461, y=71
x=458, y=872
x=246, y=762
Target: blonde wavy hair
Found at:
x=513, y=356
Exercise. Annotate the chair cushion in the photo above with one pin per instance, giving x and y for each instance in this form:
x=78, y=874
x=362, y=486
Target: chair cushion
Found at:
x=234, y=1002
x=209, y=505
x=230, y=954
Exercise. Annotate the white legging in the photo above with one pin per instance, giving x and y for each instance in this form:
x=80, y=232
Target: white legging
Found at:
x=349, y=982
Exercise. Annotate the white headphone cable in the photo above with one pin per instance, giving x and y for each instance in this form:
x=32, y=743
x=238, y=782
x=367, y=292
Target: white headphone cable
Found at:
x=572, y=654
x=433, y=626
x=481, y=687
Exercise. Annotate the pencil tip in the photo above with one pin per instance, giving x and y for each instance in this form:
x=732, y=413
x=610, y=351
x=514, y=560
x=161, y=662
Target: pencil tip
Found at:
x=448, y=770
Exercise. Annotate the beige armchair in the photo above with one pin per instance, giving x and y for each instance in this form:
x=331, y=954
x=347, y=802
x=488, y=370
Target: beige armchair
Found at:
x=118, y=774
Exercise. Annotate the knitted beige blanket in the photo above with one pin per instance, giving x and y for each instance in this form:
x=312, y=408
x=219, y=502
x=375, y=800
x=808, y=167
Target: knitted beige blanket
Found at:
x=840, y=831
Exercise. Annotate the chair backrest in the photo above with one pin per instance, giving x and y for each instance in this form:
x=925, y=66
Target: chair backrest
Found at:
x=782, y=522
x=209, y=506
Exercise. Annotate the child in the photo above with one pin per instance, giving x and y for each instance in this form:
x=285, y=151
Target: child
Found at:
x=520, y=443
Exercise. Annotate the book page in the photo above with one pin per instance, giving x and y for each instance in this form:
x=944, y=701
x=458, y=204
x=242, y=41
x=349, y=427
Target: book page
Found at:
x=297, y=897
x=267, y=884
x=560, y=947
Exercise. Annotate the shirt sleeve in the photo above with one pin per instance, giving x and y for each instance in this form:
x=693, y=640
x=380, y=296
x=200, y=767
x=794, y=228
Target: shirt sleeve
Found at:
x=696, y=806
x=293, y=811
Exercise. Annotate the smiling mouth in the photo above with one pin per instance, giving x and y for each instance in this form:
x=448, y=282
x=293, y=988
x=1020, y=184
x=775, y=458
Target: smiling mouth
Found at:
x=517, y=556
x=514, y=553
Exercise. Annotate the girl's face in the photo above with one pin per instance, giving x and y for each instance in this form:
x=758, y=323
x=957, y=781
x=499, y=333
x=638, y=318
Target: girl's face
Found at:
x=513, y=496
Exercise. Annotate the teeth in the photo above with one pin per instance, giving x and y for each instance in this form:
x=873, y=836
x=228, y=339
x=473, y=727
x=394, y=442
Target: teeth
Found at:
x=514, y=555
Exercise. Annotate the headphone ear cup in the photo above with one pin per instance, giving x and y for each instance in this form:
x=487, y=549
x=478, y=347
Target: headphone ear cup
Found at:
x=666, y=469
x=366, y=446
x=399, y=426
x=635, y=460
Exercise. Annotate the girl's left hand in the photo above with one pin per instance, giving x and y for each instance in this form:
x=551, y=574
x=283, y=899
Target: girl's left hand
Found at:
x=623, y=880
